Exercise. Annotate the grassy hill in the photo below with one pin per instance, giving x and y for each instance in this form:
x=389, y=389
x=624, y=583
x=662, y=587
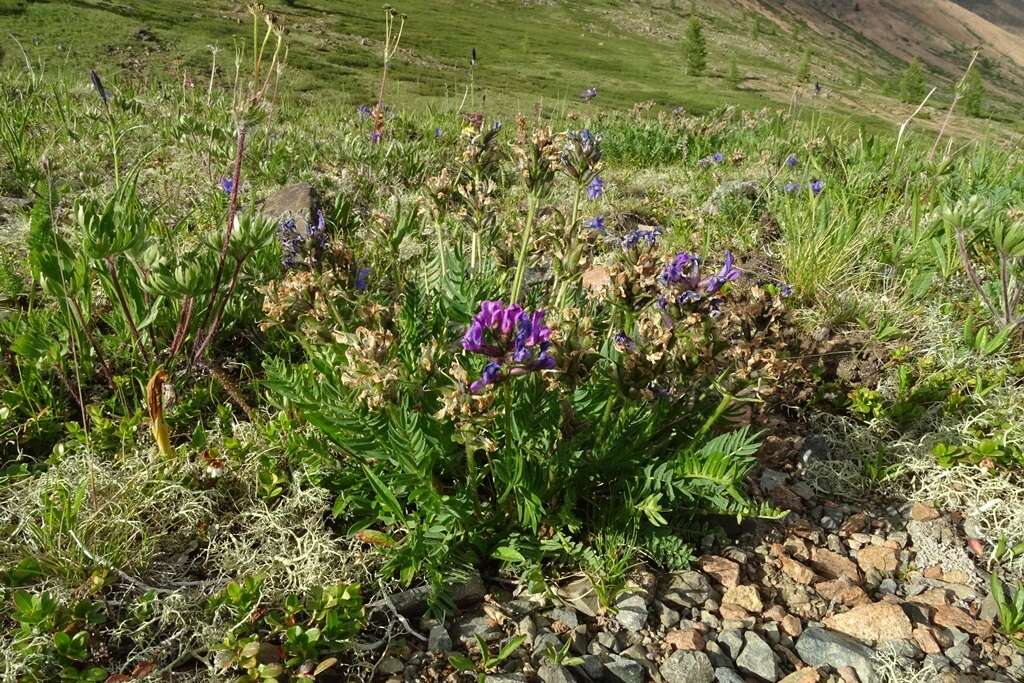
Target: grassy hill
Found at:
x=533, y=52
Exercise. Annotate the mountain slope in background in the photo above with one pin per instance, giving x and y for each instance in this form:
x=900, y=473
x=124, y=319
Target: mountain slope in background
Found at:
x=551, y=50
x=1006, y=14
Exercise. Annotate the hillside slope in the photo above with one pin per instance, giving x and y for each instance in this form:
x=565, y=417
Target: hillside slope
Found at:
x=549, y=52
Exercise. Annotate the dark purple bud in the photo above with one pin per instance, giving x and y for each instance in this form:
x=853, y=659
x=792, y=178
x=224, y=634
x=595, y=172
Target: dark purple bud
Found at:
x=98, y=84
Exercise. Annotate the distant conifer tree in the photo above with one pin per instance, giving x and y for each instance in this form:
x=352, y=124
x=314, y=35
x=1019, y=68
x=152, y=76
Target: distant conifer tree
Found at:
x=803, y=70
x=973, y=94
x=734, y=78
x=912, y=83
x=696, y=48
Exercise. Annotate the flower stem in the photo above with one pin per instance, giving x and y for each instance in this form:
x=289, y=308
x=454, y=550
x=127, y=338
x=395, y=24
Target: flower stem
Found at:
x=524, y=248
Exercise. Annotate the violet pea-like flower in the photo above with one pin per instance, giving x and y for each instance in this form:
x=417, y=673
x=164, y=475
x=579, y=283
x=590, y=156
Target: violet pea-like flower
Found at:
x=729, y=273
x=490, y=375
x=516, y=341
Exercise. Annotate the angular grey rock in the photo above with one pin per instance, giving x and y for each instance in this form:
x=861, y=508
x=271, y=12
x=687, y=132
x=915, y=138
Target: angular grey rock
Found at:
x=820, y=647
x=580, y=639
x=938, y=662
x=439, y=640
x=545, y=641
x=632, y=612
x=989, y=607
x=717, y=655
x=505, y=678
x=479, y=626
x=298, y=201
x=592, y=667
x=607, y=640
x=390, y=665
x=772, y=479
x=667, y=616
x=732, y=642
x=685, y=666
x=550, y=673
x=726, y=675
x=624, y=670
x=688, y=589
x=527, y=627
x=771, y=633
x=580, y=594
x=566, y=616
x=758, y=658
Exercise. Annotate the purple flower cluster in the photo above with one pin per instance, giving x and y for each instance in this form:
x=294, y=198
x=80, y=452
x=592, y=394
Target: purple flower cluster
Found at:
x=712, y=160
x=293, y=243
x=596, y=188
x=792, y=161
x=623, y=342
x=364, y=111
x=683, y=273
x=588, y=94
x=816, y=187
x=227, y=185
x=641, y=237
x=596, y=224
x=361, y=276
x=513, y=338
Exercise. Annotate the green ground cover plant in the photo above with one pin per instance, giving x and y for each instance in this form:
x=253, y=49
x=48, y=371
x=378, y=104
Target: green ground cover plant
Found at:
x=532, y=344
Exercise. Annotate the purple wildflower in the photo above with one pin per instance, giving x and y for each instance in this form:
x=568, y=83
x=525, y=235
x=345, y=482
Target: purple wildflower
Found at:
x=596, y=223
x=509, y=336
x=718, y=157
x=291, y=243
x=317, y=234
x=786, y=291
x=364, y=111
x=792, y=161
x=361, y=277
x=792, y=187
x=715, y=308
x=623, y=342
x=596, y=188
x=375, y=136
x=438, y=133
x=729, y=273
x=690, y=296
x=227, y=184
x=490, y=375
x=676, y=270
x=588, y=94
x=648, y=236
x=817, y=186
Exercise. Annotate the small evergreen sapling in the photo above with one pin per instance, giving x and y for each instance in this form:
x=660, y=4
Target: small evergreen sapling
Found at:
x=696, y=48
